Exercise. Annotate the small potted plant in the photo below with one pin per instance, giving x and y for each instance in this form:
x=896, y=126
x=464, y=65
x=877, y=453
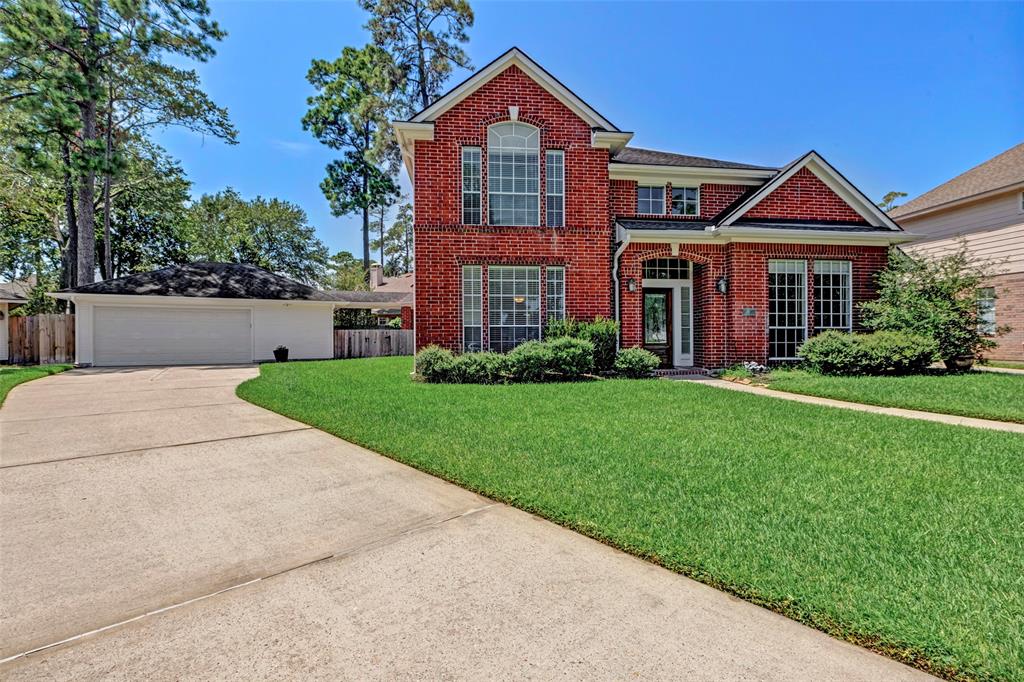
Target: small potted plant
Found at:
x=281, y=354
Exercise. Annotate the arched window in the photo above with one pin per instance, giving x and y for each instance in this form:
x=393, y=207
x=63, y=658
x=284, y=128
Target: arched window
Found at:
x=513, y=174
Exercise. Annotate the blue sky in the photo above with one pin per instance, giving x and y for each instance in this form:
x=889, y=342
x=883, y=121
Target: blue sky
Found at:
x=897, y=96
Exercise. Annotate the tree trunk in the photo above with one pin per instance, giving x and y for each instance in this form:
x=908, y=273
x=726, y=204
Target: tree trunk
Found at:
x=421, y=60
x=86, y=196
x=108, y=265
x=382, y=210
x=69, y=258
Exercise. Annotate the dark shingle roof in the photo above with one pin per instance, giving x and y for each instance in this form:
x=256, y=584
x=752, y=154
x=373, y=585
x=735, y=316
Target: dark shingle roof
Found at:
x=661, y=224
x=650, y=157
x=207, y=280
x=1004, y=170
x=815, y=225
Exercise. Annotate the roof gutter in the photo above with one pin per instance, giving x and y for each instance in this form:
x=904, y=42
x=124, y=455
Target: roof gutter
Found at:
x=724, y=235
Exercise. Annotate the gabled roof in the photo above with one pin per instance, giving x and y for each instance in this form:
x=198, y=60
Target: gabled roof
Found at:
x=1000, y=172
x=516, y=57
x=650, y=157
x=856, y=199
x=206, y=280
x=17, y=291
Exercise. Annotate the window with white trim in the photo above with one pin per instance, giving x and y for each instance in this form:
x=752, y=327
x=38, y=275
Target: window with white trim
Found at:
x=471, y=186
x=513, y=305
x=513, y=174
x=986, y=299
x=787, y=308
x=555, y=170
x=1022, y=202
x=556, y=293
x=666, y=268
x=472, y=313
x=833, y=295
x=685, y=201
x=650, y=199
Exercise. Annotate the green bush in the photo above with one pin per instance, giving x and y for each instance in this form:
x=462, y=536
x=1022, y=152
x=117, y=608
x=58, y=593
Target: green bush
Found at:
x=602, y=332
x=530, y=361
x=835, y=352
x=635, y=363
x=481, y=368
x=572, y=358
x=435, y=364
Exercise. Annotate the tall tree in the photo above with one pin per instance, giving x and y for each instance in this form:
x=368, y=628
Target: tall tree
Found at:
x=395, y=243
x=888, y=202
x=345, y=272
x=425, y=38
x=268, y=233
x=71, y=54
x=350, y=112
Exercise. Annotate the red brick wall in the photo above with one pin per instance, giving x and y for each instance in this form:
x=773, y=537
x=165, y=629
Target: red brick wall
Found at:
x=804, y=197
x=443, y=244
x=722, y=335
x=407, y=317
x=1009, y=312
x=713, y=198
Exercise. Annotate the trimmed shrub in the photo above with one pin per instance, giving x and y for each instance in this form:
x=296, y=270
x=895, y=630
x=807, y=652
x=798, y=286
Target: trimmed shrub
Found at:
x=481, y=368
x=603, y=333
x=636, y=362
x=435, y=364
x=572, y=358
x=834, y=352
x=530, y=361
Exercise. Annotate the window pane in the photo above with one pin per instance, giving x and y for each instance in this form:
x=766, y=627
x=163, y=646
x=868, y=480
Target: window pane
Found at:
x=513, y=301
x=650, y=200
x=987, y=311
x=471, y=185
x=513, y=174
x=685, y=201
x=556, y=293
x=833, y=295
x=555, y=208
x=472, y=318
x=667, y=268
x=787, y=308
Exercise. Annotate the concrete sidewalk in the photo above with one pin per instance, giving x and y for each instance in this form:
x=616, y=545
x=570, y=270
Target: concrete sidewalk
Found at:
x=861, y=407
x=155, y=526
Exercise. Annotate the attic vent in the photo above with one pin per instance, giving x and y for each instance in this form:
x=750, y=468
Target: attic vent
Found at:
x=513, y=113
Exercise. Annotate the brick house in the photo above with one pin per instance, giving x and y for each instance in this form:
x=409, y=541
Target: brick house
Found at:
x=983, y=208
x=530, y=206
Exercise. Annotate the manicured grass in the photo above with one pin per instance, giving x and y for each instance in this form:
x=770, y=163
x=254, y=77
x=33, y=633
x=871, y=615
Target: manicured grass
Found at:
x=1006, y=364
x=987, y=395
x=902, y=535
x=12, y=376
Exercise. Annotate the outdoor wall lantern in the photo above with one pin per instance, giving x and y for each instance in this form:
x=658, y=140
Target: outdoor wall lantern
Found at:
x=631, y=284
x=722, y=285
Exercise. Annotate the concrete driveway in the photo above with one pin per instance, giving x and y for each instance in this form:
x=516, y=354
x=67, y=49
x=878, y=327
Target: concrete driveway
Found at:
x=154, y=525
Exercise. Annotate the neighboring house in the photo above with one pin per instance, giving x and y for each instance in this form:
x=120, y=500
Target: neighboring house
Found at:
x=399, y=285
x=205, y=313
x=985, y=208
x=530, y=206
x=12, y=295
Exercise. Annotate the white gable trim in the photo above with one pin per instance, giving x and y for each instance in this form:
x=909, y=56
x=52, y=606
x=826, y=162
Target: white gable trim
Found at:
x=515, y=57
x=831, y=177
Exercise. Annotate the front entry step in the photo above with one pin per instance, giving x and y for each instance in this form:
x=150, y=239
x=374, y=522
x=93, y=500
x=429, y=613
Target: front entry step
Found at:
x=682, y=372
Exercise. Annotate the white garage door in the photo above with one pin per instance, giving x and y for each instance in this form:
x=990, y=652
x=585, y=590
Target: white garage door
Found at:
x=155, y=335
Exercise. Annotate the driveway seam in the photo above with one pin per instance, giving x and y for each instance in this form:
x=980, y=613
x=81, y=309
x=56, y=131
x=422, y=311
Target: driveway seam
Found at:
x=100, y=414
x=339, y=554
x=154, y=447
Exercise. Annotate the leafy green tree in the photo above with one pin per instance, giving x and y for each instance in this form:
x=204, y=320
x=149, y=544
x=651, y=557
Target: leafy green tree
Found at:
x=933, y=297
x=345, y=272
x=424, y=38
x=66, y=63
x=888, y=202
x=350, y=112
x=268, y=233
x=395, y=243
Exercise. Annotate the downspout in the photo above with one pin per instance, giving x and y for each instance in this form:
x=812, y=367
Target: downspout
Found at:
x=615, y=277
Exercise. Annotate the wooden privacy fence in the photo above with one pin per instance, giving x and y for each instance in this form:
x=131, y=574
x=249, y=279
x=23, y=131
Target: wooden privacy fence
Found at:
x=372, y=343
x=41, y=339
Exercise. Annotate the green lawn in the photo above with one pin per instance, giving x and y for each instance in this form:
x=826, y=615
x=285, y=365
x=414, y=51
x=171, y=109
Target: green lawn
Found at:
x=1006, y=364
x=902, y=535
x=12, y=376
x=988, y=395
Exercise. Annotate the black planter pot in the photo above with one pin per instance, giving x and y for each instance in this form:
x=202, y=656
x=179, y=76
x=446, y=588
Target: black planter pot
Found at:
x=961, y=363
x=281, y=354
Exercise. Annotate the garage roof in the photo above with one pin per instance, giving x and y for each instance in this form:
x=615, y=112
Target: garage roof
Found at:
x=207, y=280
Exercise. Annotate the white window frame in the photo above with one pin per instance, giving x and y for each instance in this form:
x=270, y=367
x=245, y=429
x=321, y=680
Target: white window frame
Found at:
x=682, y=304
x=788, y=267
x=986, y=303
x=696, y=201
x=495, y=146
x=479, y=188
x=650, y=200
x=549, y=155
x=831, y=267
x=555, y=301
x=501, y=315
x=472, y=302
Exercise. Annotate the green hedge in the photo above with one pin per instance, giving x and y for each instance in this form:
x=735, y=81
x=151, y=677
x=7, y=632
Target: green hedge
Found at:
x=834, y=352
x=603, y=333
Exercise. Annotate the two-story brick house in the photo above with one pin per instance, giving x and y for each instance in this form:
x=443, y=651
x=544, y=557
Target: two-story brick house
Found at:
x=530, y=206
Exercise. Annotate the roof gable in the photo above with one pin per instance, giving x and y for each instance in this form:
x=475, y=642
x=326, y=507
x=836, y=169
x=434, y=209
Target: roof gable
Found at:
x=515, y=57
x=824, y=171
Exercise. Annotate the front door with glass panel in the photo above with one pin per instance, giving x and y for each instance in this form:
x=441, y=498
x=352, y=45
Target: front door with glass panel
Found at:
x=658, y=324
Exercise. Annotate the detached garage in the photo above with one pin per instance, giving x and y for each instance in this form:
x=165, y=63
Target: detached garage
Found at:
x=200, y=314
